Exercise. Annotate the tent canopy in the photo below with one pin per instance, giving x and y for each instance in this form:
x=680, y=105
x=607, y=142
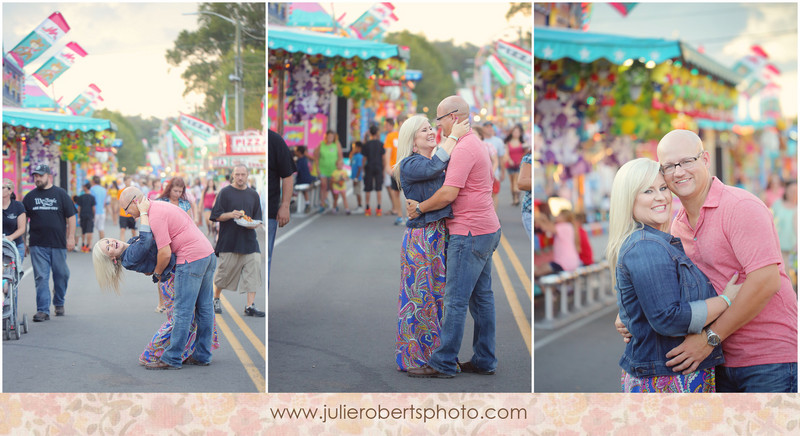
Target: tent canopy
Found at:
x=313, y=43
x=32, y=118
x=585, y=47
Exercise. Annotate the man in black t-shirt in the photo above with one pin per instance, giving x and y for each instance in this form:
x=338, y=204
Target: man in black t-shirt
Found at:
x=280, y=185
x=237, y=246
x=86, y=212
x=52, y=233
x=373, y=152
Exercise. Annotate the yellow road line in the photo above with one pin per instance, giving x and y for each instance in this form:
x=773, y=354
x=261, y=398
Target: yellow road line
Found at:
x=249, y=366
x=519, y=315
x=512, y=257
x=259, y=346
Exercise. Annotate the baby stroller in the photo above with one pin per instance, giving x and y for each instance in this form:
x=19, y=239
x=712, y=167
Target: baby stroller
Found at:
x=12, y=273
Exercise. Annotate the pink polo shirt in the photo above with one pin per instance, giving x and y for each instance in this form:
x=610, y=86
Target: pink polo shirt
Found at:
x=735, y=233
x=470, y=170
x=172, y=226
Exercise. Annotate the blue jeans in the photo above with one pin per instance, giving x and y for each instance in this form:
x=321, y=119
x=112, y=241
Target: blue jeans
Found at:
x=775, y=377
x=44, y=259
x=194, y=294
x=21, y=250
x=469, y=285
x=527, y=221
x=272, y=229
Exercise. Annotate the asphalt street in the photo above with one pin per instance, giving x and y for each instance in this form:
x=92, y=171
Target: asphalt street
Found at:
x=333, y=295
x=95, y=347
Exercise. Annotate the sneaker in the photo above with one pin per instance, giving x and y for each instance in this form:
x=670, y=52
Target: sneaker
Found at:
x=40, y=316
x=217, y=306
x=378, y=213
x=398, y=221
x=367, y=212
x=358, y=211
x=321, y=210
x=252, y=311
x=59, y=310
x=347, y=211
x=336, y=211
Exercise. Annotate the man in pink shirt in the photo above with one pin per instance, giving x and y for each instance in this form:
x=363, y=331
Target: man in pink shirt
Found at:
x=474, y=235
x=175, y=231
x=725, y=230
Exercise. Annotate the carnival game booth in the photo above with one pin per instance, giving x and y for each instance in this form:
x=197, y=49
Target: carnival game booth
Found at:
x=67, y=143
x=320, y=81
x=601, y=100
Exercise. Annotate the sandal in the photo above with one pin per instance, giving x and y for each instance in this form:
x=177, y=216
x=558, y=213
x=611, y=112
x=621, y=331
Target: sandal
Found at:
x=160, y=309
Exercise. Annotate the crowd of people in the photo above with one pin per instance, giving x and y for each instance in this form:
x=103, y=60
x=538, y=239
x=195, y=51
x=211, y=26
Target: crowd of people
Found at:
x=373, y=159
x=200, y=240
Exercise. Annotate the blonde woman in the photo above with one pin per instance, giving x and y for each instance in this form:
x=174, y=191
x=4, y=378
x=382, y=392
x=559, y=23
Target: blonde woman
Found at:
x=420, y=173
x=661, y=294
x=110, y=256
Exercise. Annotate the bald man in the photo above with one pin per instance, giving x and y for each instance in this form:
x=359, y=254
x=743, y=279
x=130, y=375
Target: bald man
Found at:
x=474, y=235
x=725, y=230
x=175, y=232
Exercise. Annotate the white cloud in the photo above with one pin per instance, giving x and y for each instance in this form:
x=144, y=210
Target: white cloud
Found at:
x=768, y=25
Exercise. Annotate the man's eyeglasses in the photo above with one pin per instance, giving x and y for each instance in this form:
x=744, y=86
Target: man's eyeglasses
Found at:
x=129, y=204
x=449, y=113
x=685, y=164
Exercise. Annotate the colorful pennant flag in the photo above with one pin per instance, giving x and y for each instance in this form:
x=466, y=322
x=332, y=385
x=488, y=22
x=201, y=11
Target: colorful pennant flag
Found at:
x=59, y=63
x=84, y=99
x=223, y=111
x=499, y=70
x=516, y=55
x=38, y=41
x=372, y=23
x=197, y=126
x=623, y=8
x=180, y=136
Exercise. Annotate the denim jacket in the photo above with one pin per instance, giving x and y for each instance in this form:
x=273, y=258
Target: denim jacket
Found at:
x=421, y=178
x=660, y=295
x=142, y=253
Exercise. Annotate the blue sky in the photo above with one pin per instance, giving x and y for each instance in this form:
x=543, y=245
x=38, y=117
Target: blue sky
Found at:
x=725, y=30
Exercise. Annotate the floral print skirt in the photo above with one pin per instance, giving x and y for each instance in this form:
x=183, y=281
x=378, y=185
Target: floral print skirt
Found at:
x=421, y=304
x=701, y=381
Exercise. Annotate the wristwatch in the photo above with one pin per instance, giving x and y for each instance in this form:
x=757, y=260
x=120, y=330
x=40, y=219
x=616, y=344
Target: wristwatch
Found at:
x=713, y=339
x=419, y=212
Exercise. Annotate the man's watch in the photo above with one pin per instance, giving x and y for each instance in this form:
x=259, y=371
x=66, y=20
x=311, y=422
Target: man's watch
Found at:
x=419, y=212
x=713, y=339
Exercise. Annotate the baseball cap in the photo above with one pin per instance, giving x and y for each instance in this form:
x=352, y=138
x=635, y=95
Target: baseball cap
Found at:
x=41, y=169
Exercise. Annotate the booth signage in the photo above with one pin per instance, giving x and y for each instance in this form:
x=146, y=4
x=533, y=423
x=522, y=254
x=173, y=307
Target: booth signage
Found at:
x=248, y=142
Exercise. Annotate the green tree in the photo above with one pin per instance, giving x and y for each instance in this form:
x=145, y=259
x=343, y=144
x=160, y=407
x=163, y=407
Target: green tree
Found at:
x=525, y=10
x=132, y=153
x=436, y=82
x=209, y=54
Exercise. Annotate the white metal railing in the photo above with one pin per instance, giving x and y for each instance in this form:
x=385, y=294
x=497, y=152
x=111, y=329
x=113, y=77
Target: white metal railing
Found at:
x=313, y=200
x=576, y=294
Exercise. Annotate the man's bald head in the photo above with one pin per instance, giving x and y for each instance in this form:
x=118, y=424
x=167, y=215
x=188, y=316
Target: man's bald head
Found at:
x=679, y=138
x=454, y=103
x=127, y=195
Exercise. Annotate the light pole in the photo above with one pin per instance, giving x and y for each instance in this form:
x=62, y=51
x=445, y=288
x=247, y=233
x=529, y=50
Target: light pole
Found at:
x=236, y=77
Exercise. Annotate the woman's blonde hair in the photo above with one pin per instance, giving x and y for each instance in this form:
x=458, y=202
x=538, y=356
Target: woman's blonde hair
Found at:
x=405, y=141
x=108, y=272
x=631, y=179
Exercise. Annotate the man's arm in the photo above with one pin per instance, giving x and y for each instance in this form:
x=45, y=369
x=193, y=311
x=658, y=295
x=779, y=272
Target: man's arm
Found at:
x=757, y=289
x=287, y=184
x=441, y=198
x=71, y=233
x=162, y=259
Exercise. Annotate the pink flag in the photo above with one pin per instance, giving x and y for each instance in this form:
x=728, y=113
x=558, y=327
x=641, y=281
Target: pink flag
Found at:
x=59, y=63
x=38, y=41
